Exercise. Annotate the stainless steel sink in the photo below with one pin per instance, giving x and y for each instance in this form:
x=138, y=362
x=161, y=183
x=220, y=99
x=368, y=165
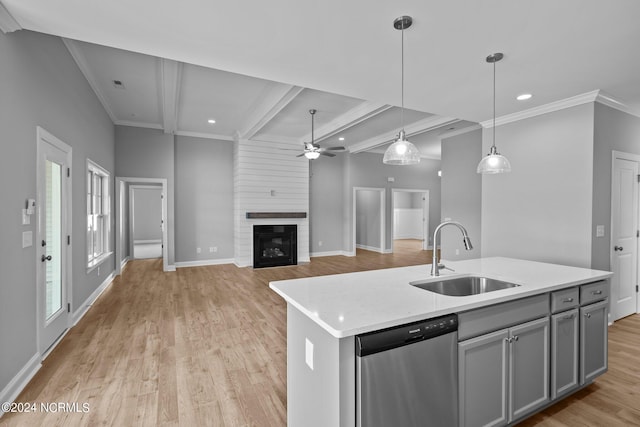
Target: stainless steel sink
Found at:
x=463, y=286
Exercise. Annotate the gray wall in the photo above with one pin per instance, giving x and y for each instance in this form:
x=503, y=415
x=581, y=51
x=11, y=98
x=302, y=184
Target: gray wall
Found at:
x=368, y=219
x=407, y=200
x=461, y=197
x=149, y=153
x=40, y=85
x=542, y=210
x=614, y=130
x=147, y=213
x=204, y=198
x=326, y=200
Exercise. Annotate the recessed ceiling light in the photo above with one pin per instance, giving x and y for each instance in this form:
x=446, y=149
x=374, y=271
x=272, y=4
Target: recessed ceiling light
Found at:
x=524, y=97
x=341, y=138
x=211, y=121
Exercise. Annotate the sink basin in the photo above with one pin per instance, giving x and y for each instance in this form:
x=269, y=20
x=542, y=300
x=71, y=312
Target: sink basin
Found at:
x=463, y=286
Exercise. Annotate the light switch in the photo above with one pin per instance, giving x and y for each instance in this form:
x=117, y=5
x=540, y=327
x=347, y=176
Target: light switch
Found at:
x=27, y=239
x=308, y=353
x=599, y=230
x=26, y=219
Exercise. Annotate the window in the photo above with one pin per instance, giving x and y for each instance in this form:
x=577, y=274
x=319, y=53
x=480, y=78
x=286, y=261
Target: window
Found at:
x=98, y=215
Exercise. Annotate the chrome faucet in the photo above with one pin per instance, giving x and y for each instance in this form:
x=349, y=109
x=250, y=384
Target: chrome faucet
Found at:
x=435, y=267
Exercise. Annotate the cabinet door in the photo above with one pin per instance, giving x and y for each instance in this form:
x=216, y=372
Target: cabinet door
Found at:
x=564, y=352
x=528, y=367
x=593, y=341
x=482, y=377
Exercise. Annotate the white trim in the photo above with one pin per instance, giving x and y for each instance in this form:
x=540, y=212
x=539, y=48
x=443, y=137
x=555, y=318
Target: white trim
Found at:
x=370, y=248
x=119, y=213
x=363, y=111
x=86, y=305
x=204, y=135
x=124, y=262
x=610, y=101
x=330, y=253
x=137, y=124
x=204, y=262
x=460, y=131
x=74, y=49
x=8, y=24
x=20, y=381
x=147, y=242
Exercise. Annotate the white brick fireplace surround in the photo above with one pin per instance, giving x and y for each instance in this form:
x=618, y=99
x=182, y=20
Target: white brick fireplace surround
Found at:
x=268, y=180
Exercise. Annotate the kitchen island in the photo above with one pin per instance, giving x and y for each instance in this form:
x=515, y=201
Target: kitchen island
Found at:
x=324, y=314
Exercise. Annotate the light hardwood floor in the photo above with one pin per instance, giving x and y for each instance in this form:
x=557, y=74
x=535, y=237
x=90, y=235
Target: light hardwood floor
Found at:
x=207, y=346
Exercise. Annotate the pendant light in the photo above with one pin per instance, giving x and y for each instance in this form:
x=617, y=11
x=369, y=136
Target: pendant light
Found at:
x=494, y=162
x=402, y=152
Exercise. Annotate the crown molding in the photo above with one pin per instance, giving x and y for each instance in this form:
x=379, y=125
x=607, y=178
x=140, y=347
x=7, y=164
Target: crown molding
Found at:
x=460, y=131
x=585, y=98
x=8, y=23
x=610, y=101
x=138, y=124
x=204, y=135
x=77, y=55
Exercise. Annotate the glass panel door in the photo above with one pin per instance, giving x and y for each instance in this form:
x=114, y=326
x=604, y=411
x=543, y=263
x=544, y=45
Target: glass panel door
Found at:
x=53, y=239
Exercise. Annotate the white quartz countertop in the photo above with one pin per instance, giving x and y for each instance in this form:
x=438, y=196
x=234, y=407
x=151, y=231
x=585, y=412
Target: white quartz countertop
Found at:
x=354, y=303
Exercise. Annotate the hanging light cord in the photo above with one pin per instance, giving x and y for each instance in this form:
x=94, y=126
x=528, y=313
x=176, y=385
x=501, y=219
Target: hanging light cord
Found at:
x=402, y=80
x=493, y=144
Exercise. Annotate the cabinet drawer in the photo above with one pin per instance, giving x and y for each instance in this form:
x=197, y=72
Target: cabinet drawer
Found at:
x=488, y=319
x=594, y=292
x=564, y=299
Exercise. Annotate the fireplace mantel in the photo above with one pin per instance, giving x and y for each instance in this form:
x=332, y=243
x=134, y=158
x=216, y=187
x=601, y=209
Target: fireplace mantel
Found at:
x=268, y=215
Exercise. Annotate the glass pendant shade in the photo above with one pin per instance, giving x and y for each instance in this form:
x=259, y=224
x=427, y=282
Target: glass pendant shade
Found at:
x=494, y=162
x=312, y=155
x=401, y=152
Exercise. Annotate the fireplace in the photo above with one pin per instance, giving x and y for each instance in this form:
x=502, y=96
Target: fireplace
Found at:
x=275, y=245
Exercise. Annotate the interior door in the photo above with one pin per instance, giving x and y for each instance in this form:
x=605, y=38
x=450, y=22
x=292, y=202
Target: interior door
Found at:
x=624, y=229
x=52, y=243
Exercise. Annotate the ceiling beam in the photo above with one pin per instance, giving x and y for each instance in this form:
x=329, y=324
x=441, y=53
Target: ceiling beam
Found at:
x=75, y=51
x=416, y=128
x=8, y=23
x=356, y=115
x=267, y=108
x=170, y=82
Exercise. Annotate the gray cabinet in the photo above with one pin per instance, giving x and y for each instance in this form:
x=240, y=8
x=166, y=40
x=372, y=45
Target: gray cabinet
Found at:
x=504, y=375
x=564, y=352
x=593, y=341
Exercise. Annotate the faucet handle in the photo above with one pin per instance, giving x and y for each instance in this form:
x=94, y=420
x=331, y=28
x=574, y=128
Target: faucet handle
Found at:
x=444, y=267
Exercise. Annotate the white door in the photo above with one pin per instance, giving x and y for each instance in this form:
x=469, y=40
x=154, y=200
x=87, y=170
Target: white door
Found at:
x=624, y=229
x=53, y=248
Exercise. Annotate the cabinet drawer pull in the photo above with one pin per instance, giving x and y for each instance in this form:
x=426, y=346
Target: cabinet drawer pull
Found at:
x=509, y=340
x=587, y=315
x=568, y=299
x=515, y=338
x=598, y=292
x=570, y=316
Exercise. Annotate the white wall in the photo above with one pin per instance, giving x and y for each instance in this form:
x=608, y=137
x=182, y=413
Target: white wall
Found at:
x=268, y=179
x=542, y=210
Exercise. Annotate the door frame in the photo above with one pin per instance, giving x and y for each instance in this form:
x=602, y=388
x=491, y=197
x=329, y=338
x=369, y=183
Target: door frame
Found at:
x=382, y=205
x=425, y=214
x=43, y=136
x=634, y=158
x=120, y=183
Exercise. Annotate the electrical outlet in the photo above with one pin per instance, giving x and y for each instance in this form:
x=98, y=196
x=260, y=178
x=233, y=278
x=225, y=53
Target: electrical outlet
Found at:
x=210, y=249
x=98, y=271
x=308, y=353
x=215, y=249
x=198, y=250
x=599, y=230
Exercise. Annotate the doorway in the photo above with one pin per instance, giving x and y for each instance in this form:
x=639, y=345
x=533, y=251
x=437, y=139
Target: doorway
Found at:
x=369, y=219
x=53, y=257
x=410, y=209
x=625, y=223
x=124, y=238
x=145, y=221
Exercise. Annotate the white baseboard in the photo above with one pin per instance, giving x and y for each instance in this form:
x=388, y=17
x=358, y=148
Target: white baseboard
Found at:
x=147, y=242
x=20, y=381
x=86, y=305
x=370, y=248
x=124, y=262
x=170, y=268
x=204, y=262
x=330, y=253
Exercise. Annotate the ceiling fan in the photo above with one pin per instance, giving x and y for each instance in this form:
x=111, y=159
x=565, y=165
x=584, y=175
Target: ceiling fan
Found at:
x=312, y=150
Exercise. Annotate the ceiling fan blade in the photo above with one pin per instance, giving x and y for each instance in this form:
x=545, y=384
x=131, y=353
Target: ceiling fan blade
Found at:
x=324, y=153
x=335, y=149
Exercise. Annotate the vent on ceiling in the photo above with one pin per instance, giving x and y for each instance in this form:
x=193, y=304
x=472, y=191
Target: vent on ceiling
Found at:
x=118, y=84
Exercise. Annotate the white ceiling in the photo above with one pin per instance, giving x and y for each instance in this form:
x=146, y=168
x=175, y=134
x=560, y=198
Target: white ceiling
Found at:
x=553, y=49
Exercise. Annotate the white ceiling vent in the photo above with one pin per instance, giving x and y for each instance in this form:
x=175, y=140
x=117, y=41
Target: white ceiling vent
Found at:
x=118, y=84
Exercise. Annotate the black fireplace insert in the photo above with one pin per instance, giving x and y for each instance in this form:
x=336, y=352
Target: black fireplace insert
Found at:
x=275, y=245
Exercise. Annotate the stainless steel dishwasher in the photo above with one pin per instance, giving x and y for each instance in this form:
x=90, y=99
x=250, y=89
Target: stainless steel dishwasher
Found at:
x=408, y=375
